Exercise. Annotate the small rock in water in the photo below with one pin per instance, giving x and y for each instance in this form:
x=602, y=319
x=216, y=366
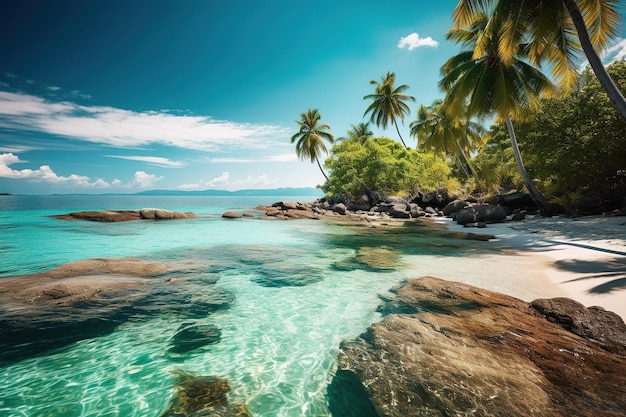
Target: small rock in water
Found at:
x=203, y=396
x=190, y=336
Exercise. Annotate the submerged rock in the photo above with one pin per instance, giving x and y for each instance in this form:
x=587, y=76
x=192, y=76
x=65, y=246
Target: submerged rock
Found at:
x=90, y=298
x=203, y=396
x=190, y=336
x=460, y=350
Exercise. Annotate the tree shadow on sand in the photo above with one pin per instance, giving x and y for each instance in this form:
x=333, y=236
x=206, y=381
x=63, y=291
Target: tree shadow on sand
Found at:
x=613, y=269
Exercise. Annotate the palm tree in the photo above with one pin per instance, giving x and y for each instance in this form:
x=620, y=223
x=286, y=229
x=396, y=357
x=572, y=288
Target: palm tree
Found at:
x=442, y=132
x=489, y=85
x=555, y=30
x=310, y=137
x=360, y=132
x=388, y=103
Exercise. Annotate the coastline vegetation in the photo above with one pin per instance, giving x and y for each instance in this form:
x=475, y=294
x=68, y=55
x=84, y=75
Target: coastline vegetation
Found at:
x=560, y=137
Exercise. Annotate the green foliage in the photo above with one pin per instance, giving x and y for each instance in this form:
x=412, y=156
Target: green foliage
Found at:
x=577, y=141
x=495, y=165
x=383, y=165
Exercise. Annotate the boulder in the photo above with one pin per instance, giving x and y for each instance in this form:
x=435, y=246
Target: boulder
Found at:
x=516, y=201
x=589, y=205
x=231, y=215
x=457, y=350
x=339, y=208
x=301, y=214
x=454, y=207
x=482, y=213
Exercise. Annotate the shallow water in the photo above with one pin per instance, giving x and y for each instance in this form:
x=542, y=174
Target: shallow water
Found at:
x=298, y=288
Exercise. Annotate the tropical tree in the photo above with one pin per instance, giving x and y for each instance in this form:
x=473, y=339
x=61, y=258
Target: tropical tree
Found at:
x=384, y=165
x=360, y=132
x=490, y=85
x=554, y=31
x=310, y=137
x=388, y=103
x=441, y=132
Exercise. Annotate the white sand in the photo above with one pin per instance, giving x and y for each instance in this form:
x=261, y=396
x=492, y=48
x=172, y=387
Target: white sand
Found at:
x=585, y=257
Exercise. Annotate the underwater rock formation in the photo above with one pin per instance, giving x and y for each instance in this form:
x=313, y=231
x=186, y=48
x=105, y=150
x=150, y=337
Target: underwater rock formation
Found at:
x=448, y=348
x=90, y=298
x=203, y=396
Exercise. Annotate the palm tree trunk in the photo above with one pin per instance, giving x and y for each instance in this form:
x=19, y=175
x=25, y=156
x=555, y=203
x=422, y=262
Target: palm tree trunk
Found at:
x=320, y=165
x=469, y=164
x=536, y=195
x=594, y=60
x=398, y=130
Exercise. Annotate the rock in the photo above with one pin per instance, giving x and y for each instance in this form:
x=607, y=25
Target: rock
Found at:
x=273, y=211
x=90, y=298
x=339, y=208
x=516, y=201
x=286, y=205
x=399, y=211
x=190, y=336
x=479, y=237
x=462, y=350
x=231, y=215
x=589, y=205
x=482, y=213
x=301, y=214
x=203, y=396
x=454, y=207
x=594, y=323
x=518, y=216
x=124, y=215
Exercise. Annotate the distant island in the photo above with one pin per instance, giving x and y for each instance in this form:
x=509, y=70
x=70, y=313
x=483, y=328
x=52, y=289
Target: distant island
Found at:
x=276, y=192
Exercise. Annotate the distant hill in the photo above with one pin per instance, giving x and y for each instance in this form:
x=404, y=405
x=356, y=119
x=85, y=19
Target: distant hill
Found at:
x=278, y=192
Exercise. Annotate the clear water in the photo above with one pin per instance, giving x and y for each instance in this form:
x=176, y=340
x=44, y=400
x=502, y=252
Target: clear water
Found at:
x=278, y=344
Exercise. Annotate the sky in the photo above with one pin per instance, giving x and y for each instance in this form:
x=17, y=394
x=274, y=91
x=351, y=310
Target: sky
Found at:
x=117, y=96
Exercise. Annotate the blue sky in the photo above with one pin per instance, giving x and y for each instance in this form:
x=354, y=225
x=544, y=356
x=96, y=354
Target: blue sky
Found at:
x=122, y=96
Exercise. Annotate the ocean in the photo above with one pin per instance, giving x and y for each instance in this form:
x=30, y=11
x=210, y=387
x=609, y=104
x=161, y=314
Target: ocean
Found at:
x=295, y=290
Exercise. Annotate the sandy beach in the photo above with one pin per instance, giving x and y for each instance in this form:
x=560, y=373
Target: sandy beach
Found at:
x=584, y=257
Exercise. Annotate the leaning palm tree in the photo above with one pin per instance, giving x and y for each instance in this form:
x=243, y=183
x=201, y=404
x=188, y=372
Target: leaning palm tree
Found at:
x=439, y=131
x=360, y=132
x=388, y=103
x=490, y=85
x=555, y=30
x=310, y=137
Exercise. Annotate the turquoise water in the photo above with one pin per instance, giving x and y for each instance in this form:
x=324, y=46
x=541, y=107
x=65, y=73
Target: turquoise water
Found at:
x=278, y=343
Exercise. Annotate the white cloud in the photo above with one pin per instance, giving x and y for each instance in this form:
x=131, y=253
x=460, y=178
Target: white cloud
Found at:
x=224, y=181
x=287, y=157
x=615, y=53
x=152, y=160
x=232, y=160
x=44, y=174
x=143, y=180
x=413, y=41
x=129, y=129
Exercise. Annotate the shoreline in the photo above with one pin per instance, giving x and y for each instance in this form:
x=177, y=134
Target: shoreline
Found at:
x=584, y=257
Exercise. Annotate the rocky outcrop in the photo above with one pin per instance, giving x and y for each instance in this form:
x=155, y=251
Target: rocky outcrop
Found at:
x=89, y=298
x=124, y=215
x=203, y=396
x=450, y=349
